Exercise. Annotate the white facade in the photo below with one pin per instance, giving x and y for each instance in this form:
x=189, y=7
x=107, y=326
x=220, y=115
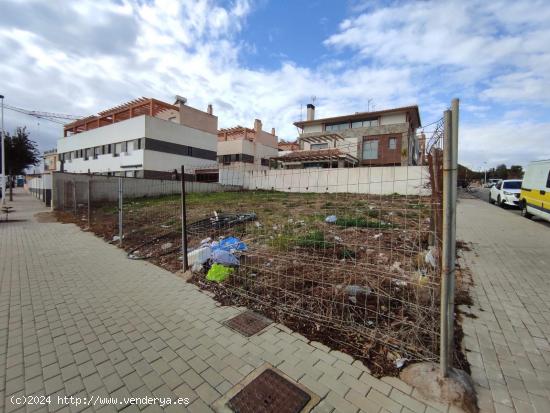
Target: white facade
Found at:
x=136, y=147
x=255, y=149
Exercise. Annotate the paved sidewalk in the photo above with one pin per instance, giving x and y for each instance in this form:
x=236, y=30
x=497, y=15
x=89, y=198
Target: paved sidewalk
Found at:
x=78, y=318
x=509, y=341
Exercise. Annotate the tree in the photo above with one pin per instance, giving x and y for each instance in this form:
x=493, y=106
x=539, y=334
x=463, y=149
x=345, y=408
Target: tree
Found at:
x=501, y=172
x=21, y=152
x=516, y=172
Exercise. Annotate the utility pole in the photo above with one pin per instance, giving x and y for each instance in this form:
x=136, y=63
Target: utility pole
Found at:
x=3, y=155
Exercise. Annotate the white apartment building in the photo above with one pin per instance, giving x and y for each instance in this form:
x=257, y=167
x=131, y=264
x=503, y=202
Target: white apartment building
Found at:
x=249, y=147
x=144, y=138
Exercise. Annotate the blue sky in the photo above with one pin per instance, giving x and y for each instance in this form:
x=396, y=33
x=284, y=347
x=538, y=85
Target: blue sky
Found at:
x=264, y=59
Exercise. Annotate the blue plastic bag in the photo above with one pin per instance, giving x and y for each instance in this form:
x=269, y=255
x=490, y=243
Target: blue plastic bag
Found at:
x=225, y=258
x=230, y=243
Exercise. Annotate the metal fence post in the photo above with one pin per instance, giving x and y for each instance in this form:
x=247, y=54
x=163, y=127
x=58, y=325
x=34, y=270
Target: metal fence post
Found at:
x=183, y=220
x=74, y=197
x=448, y=250
x=454, y=195
x=120, y=195
x=89, y=200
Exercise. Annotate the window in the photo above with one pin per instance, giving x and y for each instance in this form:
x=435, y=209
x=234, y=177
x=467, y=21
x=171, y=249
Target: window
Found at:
x=97, y=151
x=317, y=146
x=336, y=127
x=392, y=143
x=88, y=154
x=118, y=149
x=265, y=162
x=370, y=149
x=365, y=123
x=512, y=185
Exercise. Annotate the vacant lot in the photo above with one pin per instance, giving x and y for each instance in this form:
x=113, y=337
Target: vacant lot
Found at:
x=365, y=283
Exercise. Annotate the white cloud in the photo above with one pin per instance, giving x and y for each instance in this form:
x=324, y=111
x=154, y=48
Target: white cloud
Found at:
x=61, y=59
x=510, y=142
x=502, y=43
x=187, y=48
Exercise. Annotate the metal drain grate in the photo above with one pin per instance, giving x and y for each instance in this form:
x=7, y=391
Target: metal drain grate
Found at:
x=269, y=393
x=248, y=323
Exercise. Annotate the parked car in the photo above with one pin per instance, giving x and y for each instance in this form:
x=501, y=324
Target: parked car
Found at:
x=535, y=190
x=506, y=192
x=491, y=182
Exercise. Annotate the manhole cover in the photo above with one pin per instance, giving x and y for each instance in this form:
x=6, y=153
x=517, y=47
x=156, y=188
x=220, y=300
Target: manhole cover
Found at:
x=269, y=392
x=248, y=323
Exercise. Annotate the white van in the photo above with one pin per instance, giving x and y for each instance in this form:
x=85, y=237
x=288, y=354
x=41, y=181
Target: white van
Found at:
x=535, y=190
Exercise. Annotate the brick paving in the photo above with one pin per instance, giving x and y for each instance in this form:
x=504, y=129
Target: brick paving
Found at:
x=509, y=341
x=78, y=318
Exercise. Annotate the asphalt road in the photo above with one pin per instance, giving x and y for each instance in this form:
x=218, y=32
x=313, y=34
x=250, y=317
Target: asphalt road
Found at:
x=483, y=194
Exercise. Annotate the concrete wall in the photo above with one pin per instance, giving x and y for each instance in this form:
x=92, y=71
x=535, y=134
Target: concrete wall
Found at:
x=184, y=135
x=393, y=118
x=313, y=128
x=404, y=180
x=105, y=188
x=255, y=149
x=41, y=188
x=117, y=132
x=198, y=119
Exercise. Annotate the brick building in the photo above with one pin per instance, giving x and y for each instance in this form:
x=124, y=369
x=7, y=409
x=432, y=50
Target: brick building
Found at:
x=380, y=138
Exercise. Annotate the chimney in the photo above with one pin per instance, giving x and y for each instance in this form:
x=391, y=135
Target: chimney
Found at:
x=273, y=131
x=180, y=100
x=310, y=112
x=257, y=125
x=209, y=109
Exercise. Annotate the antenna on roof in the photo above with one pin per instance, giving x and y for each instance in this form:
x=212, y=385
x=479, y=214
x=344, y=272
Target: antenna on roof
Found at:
x=313, y=98
x=368, y=104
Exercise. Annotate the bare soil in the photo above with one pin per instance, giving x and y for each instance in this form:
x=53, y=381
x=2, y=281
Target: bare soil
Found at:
x=361, y=285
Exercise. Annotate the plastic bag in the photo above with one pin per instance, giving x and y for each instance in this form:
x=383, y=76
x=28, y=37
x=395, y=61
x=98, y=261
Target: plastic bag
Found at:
x=224, y=257
x=229, y=243
x=219, y=273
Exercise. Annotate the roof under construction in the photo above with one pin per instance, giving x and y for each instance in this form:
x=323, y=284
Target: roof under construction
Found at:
x=128, y=110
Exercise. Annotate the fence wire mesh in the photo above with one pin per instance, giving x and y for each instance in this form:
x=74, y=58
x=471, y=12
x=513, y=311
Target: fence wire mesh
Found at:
x=346, y=256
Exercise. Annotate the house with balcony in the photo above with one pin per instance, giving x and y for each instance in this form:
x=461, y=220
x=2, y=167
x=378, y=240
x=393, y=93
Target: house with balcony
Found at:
x=253, y=148
x=378, y=138
x=144, y=138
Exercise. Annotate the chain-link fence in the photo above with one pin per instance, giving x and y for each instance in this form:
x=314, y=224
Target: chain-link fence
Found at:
x=348, y=256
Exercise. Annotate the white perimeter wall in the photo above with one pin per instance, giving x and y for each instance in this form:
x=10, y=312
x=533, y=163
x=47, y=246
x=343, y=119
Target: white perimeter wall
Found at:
x=404, y=180
x=105, y=188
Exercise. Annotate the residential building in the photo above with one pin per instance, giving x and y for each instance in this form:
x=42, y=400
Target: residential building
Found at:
x=241, y=145
x=286, y=146
x=379, y=138
x=50, y=160
x=144, y=138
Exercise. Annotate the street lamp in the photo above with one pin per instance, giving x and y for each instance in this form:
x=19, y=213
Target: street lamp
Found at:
x=3, y=155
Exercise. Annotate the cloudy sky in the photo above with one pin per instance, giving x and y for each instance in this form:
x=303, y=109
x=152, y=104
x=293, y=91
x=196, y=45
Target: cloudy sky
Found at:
x=261, y=59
